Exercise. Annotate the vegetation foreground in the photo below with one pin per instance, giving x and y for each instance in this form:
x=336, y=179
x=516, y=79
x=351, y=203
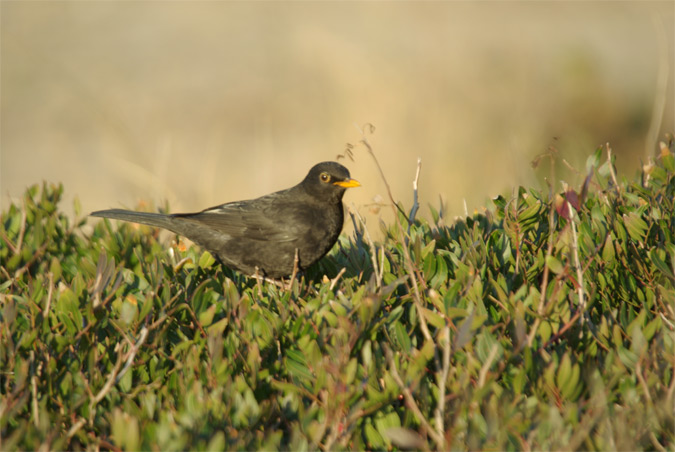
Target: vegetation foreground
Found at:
x=546, y=322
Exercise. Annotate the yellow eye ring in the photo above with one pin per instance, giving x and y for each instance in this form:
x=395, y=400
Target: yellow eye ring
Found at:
x=325, y=177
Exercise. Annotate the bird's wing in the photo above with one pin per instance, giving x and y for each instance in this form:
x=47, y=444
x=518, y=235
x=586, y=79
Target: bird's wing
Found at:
x=258, y=219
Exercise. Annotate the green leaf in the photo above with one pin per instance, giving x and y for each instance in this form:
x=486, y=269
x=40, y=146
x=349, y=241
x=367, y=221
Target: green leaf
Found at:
x=608, y=253
x=217, y=442
x=651, y=328
x=635, y=226
x=433, y=318
x=453, y=313
x=146, y=307
x=567, y=378
x=387, y=422
x=545, y=331
x=287, y=387
x=660, y=264
x=350, y=371
x=125, y=430
x=637, y=323
x=499, y=202
x=593, y=160
x=554, y=264
x=530, y=215
x=484, y=344
x=464, y=334
x=628, y=357
x=206, y=260
x=206, y=316
x=375, y=440
x=129, y=311
x=219, y=327
x=297, y=365
x=441, y=275
x=126, y=381
x=55, y=269
x=402, y=337
x=367, y=354
x=564, y=370
x=428, y=248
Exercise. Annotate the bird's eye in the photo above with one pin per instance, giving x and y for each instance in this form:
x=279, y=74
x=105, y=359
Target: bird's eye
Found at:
x=325, y=177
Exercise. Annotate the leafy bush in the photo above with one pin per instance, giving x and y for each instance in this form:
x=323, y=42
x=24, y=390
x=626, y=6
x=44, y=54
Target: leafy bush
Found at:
x=544, y=323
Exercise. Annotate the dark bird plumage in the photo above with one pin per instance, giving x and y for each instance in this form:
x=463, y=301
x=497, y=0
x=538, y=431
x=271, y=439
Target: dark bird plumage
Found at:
x=262, y=235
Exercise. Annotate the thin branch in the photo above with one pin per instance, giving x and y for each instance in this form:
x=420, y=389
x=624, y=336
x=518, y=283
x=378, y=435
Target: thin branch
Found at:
x=198, y=324
x=440, y=409
x=410, y=400
x=381, y=274
x=105, y=389
x=334, y=281
x=296, y=263
x=134, y=350
x=655, y=442
x=38, y=254
x=671, y=387
x=50, y=293
x=115, y=375
x=334, y=430
x=486, y=365
x=413, y=276
x=418, y=298
x=562, y=331
x=406, y=252
x=415, y=206
x=650, y=403
x=258, y=278
x=76, y=427
x=33, y=389
x=365, y=142
x=577, y=264
x=9, y=243
x=617, y=187
x=22, y=229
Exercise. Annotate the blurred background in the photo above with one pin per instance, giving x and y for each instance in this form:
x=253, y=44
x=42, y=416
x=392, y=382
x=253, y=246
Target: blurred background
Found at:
x=199, y=103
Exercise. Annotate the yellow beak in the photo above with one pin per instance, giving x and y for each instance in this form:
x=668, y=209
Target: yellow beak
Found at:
x=347, y=183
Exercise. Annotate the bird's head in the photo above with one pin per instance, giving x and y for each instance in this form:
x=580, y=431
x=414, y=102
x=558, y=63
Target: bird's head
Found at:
x=328, y=180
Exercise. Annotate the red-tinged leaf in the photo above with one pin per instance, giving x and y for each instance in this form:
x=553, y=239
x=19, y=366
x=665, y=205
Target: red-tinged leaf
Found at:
x=572, y=197
x=584, y=187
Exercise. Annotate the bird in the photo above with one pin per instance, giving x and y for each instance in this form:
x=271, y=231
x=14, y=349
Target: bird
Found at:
x=272, y=236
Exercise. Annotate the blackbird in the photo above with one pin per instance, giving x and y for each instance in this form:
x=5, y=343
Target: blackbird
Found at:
x=261, y=236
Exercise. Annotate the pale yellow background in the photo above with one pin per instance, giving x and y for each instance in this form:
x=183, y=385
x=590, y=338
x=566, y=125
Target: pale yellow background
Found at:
x=198, y=103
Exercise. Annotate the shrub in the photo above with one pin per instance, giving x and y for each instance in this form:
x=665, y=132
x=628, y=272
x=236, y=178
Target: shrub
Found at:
x=545, y=322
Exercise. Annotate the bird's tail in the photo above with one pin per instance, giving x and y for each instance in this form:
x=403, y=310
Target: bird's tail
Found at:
x=151, y=219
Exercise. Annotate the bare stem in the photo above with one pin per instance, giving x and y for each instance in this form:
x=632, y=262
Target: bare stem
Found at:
x=482, y=375
x=415, y=206
x=365, y=142
x=133, y=351
x=577, y=264
x=617, y=187
x=440, y=409
x=334, y=281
